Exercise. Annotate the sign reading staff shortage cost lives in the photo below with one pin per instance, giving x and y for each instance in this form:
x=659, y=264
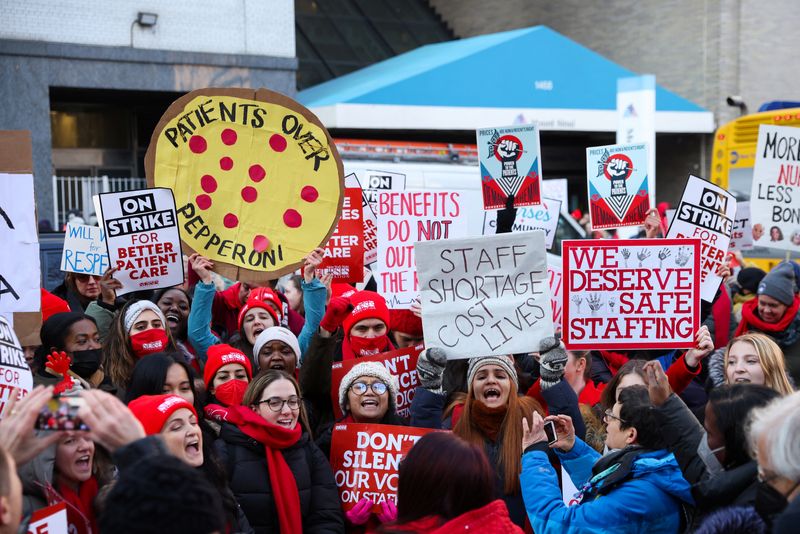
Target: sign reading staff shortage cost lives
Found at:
x=143, y=239
x=631, y=293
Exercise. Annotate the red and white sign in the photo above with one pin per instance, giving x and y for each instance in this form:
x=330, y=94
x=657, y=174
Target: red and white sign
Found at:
x=631, y=293
x=401, y=363
x=344, y=253
x=14, y=370
x=49, y=520
x=365, y=459
x=554, y=276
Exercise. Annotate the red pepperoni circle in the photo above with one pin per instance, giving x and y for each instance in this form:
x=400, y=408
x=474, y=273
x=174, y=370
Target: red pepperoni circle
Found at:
x=309, y=193
x=257, y=173
x=230, y=221
x=197, y=144
x=277, y=143
x=226, y=163
x=292, y=218
x=249, y=194
x=228, y=136
x=208, y=183
x=203, y=202
x=260, y=243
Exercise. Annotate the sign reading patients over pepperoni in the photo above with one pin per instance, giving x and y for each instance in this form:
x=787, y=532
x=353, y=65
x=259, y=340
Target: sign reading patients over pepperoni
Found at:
x=257, y=180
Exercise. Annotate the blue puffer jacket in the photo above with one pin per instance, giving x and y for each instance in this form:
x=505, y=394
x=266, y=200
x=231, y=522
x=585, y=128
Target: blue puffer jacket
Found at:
x=648, y=501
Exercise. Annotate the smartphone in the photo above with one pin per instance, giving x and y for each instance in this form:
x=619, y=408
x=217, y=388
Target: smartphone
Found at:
x=61, y=413
x=550, y=432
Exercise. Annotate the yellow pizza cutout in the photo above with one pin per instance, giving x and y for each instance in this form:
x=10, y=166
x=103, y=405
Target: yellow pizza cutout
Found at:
x=258, y=182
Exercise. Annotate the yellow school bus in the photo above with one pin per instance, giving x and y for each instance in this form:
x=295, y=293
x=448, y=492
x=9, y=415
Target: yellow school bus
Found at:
x=733, y=159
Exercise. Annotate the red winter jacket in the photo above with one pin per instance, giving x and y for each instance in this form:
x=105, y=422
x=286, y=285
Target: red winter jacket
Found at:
x=491, y=519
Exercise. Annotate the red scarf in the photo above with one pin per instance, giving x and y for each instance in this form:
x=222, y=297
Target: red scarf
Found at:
x=80, y=513
x=721, y=310
x=751, y=320
x=349, y=354
x=274, y=438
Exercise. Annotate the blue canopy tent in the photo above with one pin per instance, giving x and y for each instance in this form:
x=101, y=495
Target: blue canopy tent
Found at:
x=519, y=76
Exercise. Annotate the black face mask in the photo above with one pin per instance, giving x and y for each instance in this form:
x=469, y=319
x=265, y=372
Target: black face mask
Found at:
x=85, y=363
x=769, y=501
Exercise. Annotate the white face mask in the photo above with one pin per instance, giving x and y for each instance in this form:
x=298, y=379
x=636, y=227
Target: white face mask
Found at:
x=708, y=456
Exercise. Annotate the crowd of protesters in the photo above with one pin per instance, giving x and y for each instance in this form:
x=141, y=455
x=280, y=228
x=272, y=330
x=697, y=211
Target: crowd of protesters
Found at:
x=210, y=410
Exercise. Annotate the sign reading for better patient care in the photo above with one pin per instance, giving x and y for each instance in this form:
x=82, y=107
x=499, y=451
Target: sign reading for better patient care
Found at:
x=257, y=179
x=631, y=293
x=344, y=252
x=510, y=165
x=142, y=237
x=483, y=296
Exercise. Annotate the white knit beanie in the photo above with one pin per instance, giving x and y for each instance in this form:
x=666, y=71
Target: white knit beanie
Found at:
x=503, y=361
x=371, y=369
x=135, y=310
x=277, y=333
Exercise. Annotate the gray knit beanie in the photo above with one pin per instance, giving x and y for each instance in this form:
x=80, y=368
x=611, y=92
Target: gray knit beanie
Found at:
x=506, y=362
x=371, y=369
x=779, y=284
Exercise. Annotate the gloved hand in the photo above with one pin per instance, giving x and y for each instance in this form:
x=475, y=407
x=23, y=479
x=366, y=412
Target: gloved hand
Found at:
x=388, y=512
x=430, y=368
x=337, y=312
x=58, y=362
x=359, y=514
x=552, y=362
x=506, y=217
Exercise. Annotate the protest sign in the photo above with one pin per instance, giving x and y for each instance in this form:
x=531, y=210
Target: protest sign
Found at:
x=142, y=238
x=14, y=370
x=257, y=179
x=630, y=293
x=19, y=263
x=84, y=250
x=706, y=211
x=401, y=363
x=405, y=217
x=510, y=165
x=554, y=277
x=742, y=235
x=774, y=208
x=543, y=217
x=365, y=459
x=375, y=182
x=556, y=188
x=49, y=520
x=344, y=252
x=619, y=194
x=483, y=296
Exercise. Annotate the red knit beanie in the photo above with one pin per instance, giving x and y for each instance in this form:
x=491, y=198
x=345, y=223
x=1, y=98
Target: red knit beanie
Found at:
x=342, y=290
x=259, y=298
x=219, y=355
x=366, y=305
x=52, y=305
x=154, y=410
x=406, y=322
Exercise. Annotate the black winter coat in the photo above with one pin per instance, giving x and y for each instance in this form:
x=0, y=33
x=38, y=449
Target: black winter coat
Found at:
x=246, y=463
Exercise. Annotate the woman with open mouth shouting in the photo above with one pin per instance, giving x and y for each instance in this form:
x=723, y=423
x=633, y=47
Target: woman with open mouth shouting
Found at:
x=489, y=415
x=175, y=420
x=279, y=476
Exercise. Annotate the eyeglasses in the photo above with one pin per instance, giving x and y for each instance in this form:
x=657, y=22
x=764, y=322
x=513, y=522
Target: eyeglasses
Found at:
x=359, y=388
x=83, y=277
x=276, y=403
x=609, y=414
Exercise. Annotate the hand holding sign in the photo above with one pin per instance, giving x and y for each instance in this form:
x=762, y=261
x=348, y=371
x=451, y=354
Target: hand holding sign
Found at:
x=109, y=287
x=311, y=262
x=202, y=267
x=703, y=345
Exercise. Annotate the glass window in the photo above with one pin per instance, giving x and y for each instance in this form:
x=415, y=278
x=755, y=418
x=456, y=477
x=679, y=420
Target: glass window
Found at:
x=99, y=128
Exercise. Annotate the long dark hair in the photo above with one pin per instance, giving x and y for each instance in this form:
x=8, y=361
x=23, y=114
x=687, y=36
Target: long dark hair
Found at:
x=444, y=476
x=609, y=395
x=731, y=405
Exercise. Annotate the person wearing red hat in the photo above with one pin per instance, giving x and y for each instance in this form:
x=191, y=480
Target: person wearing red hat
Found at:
x=226, y=375
x=52, y=304
x=176, y=420
x=406, y=328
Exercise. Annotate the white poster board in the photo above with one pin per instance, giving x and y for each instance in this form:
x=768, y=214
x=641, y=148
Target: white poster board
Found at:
x=706, y=211
x=742, y=236
x=636, y=115
x=142, y=238
x=484, y=296
x=20, y=271
x=557, y=189
x=84, y=250
x=543, y=217
x=14, y=370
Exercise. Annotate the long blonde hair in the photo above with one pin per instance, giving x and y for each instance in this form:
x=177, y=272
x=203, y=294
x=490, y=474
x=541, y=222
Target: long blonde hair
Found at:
x=770, y=358
x=510, y=459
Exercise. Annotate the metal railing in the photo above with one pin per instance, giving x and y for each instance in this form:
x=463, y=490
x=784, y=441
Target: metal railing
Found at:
x=74, y=194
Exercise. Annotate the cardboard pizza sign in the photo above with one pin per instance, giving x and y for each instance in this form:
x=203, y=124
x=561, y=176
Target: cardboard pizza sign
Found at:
x=258, y=182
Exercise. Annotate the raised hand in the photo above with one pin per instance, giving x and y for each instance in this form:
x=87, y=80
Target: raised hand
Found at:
x=652, y=224
x=16, y=428
x=703, y=345
x=533, y=433
x=109, y=286
x=312, y=261
x=359, y=514
x=58, y=363
x=337, y=312
x=430, y=368
x=110, y=422
x=203, y=267
x=657, y=382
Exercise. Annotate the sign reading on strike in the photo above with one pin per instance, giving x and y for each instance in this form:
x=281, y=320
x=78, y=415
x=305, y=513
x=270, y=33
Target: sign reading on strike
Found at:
x=14, y=370
x=401, y=363
x=742, y=235
x=510, y=165
x=406, y=217
x=142, y=238
x=543, y=217
x=706, y=211
x=631, y=293
x=483, y=296
x=84, y=250
x=619, y=195
x=344, y=253
x=774, y=203
x=375, y=182
x=365, y=459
